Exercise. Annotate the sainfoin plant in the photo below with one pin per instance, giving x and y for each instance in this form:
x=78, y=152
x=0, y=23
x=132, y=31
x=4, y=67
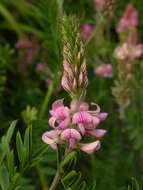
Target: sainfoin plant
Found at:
x=71, y=124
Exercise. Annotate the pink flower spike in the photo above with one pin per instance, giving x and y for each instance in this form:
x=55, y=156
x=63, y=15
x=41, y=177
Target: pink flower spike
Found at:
x=51, y=138
x=90, y=147
x=97, y=133
x=102, y=116
x=129, y=19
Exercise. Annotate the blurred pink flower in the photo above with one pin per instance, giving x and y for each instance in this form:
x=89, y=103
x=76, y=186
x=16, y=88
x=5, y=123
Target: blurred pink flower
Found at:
x=104, y=70
x=42, y=67
x=86, y=31
x=128, y=51
x=99, y=4
x=129, y=19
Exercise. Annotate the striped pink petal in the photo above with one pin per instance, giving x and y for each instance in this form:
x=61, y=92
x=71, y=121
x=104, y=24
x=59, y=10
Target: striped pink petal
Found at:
x=70, y=134
x=81, y=117
x=61, y=113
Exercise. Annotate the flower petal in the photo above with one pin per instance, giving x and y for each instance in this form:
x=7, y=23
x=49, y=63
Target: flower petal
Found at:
x=62, y=112
x=52, y=121
x=102, y=116
x=64, y=124
x=90, y=147
x=82, y=129
x=84, y=106
x=94, y=112
x=46, y=139
x=97, y=132
x=57, y=104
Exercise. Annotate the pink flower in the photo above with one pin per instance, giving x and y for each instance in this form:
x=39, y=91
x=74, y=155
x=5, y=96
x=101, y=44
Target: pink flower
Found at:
x=71, y=136
x=42, y=67
x=87, y=122
x=104, y=70
x=86, y=31
x=51, y=138
x=129, y=19
x=90, y=147
x=60, y=115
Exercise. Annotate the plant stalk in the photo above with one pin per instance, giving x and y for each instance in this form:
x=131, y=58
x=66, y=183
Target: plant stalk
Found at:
x=55, y=180
x=46, y=100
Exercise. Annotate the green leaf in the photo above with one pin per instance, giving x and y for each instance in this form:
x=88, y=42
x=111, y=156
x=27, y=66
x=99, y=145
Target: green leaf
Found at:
x=10, y=131
x=93, y=186
x=14, y=182
x=69, y=157
x=10, y=163
x=27, y=142
x=82, y=186
x=4, y=177
x=135, y=184
x=19, y=146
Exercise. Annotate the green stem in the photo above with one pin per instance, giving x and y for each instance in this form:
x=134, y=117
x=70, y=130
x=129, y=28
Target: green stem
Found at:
x=57, y=176
x=55, y=180
x=46, y=100
x=60, y=165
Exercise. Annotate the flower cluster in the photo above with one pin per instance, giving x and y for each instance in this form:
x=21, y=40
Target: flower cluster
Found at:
x=70, y=125
x=129, y=20
x=128, y=51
